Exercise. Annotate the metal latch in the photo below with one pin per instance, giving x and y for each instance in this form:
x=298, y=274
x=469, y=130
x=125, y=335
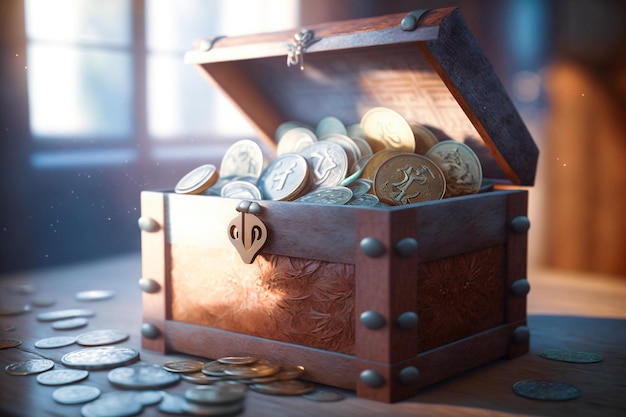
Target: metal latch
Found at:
x=247, y=232
x=303, y=40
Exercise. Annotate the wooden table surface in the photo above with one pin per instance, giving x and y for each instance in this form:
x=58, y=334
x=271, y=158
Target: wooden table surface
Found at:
x=572, y=311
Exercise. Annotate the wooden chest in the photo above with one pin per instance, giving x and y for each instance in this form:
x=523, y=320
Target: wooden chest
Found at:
x=383, y=301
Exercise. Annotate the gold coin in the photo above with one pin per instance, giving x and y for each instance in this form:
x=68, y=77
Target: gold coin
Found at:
x=214, y=368
x=372, y=164
x=290, y=387
x=289, y=372
x=285, y=178
x=258, y=369
x=409, y=178
x=197, y=180
x=384, y=129
x=238, y=360
x=424, y=138
x=183, y=366
x=459, y=165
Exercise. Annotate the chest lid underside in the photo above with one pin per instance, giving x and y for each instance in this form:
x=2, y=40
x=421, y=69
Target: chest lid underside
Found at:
x=425, y=65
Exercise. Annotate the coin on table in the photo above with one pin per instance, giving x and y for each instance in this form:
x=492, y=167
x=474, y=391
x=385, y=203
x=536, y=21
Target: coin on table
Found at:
x=353, y=153
x=101, y=337
x=142, y=377
x=183, y=366
x=100, y=358
x=75, y=394
x=69, y=324
x=424, y=138
x=197, y=180
x=94, y=295
x=200, y=378
x=42, y=301
x=62, y=376
x=330, y=125
x=409, y=178
x=22, y=289
x=238, y=360
x=546, y=390
x=323, y=396
x=290, y=387
x=55, y=342
x=285, y=178
x=241, y=190
x=29, y=367
x=172, y=403
x=328, y=163
x=289, y=372
x=295, y=140
x=199, y=409
x=149, y=397
x=113, y=404
x=65, y=314
x=327, y=195
x=217, y=394
x=385, y=129
x=9, y=343
x=257, y=369
x=14, y=310
x=6, y=327
x=364, y=200
x=459, y=165
x=242, y=158
x=214, y=368
x=570, y=356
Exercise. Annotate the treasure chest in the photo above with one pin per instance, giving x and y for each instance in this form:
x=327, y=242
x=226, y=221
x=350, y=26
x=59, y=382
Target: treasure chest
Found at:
x=380, y=300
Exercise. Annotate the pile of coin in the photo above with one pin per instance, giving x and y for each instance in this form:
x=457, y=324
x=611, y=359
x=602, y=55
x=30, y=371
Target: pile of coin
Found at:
x=396, y=161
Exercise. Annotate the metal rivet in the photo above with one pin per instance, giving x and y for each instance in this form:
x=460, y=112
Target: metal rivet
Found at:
x=521, y=287
x=409, y=375
x=243, y=206
x=521, y=335
x=372, y=378
x=372, y=319
x=254, y=208
x=150, y=331
x=407, y=320
x=148, y=224
x=149, y=285
x=409, y=22
x=520, y=224
x=372, y=247
x=406, y=247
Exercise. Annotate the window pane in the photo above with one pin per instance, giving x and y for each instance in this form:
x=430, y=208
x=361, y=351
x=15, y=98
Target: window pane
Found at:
x=79, y=91
x=85, y=21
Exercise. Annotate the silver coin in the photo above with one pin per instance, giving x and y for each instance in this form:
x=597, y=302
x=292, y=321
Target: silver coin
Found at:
x=149, y=397
x=570, y=356
x=328, y=163
x=197, y=180
x=99, y=358
x=330, y=125
x=349, y=146
x=172, y=404
x=113, y=404
x=284, y=178
x=65, y=314
x=217, y=394
x=200, y=378
x=69, y=324
x=61, y=376
x=360, y=187
x=42, y=302
x=212, y=410
x=55, y=342
x=29, y=367
x=242, y=158
x=327, y=195
x=295, y=140
x=94, y=295
x=101, y=337
x=14, y=310
x=546, y=390
x=364, y=200
x=142, y=377
x=323, y=396
x=9, y=343
x=242, y=190
x=75, y=394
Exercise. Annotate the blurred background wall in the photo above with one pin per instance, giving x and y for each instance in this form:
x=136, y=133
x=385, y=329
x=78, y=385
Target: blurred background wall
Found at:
x=96, y=106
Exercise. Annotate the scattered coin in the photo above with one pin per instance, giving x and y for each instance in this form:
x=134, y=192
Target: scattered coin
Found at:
x=323, y=396
x=65, y=314
x=290, y=387
x=9, y=343
x=238, y=360
x=459, y=165
x=217, y=394
x=200, y=378
x=75, y=394
x=570, y=356
x=243, y=158
x=289, y=372
x=172, y=404
x=42, y=301
x=94, y=295
x=149, y=397
x=184, y=366
x=113, y=404
x=22, y=289
x=212, y=410
x=55, y=342
x=142, y=377
x=69, y=324
x=197, y=180
x=14, y=310
x=214, y=368
x=257, y=369
x=29, y=367
x=7, y=328
x=101, y=337
x=546, y=390
x=61, y=376
x=100, y=358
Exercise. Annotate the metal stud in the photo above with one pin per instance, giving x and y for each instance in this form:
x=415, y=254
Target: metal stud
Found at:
x=254, y=208
x=407, y=320
x=520, y=288
x=149, y=285
x=520, y=224
x=406, y=247
x=372, y=378
x=372, y=319
x=409, y=375
x=521, y=335
x=148, y=224
x=372, y=247
x=150, y=331
x=409, y=22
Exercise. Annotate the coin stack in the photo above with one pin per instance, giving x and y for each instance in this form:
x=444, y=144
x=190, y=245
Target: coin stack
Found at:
x=383, y=160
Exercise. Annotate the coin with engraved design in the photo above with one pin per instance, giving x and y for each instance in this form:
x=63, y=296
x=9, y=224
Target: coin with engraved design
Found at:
x=197, y=180
x=75, y=394
x=100, y=358
x=295, y=140
x=385, y=128
x=242, y=158
x=29, y=367
x=62, y=376
x=327, y=195
x=546, y=390
x=328, y=163
x=459, y=165
x=285, y=178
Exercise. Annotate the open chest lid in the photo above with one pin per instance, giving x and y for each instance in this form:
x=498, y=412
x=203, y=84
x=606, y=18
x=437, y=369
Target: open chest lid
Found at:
x=425, y=65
